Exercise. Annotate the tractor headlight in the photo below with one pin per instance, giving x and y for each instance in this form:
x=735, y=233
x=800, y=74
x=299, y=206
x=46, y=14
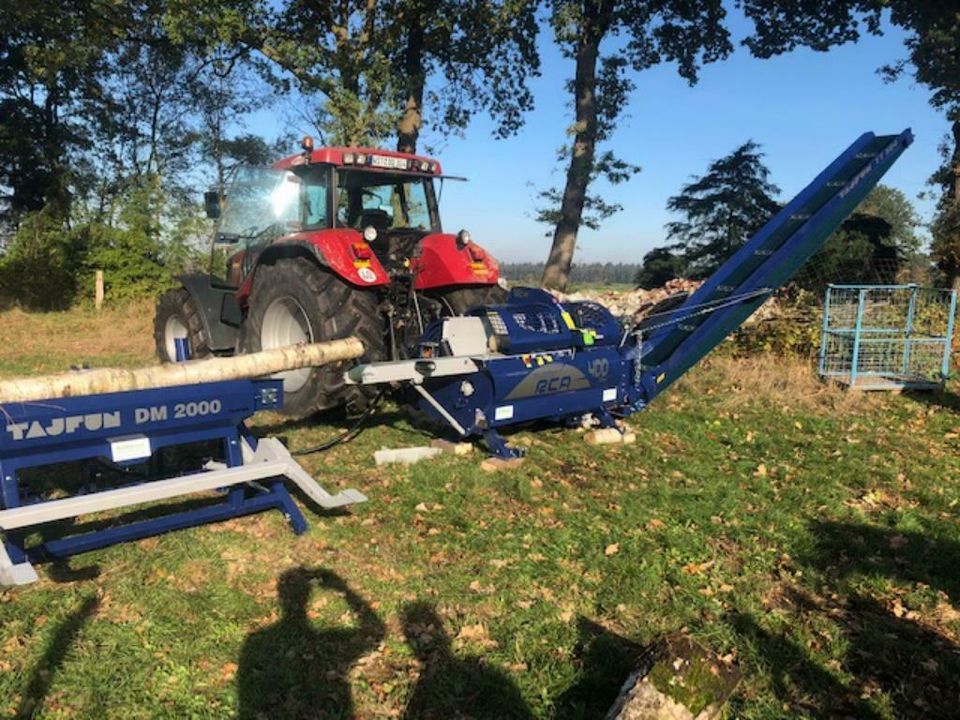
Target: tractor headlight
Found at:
x=463, y=239
x=369, y=233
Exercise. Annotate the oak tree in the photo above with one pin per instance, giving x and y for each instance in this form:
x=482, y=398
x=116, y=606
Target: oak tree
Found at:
x=607, y=40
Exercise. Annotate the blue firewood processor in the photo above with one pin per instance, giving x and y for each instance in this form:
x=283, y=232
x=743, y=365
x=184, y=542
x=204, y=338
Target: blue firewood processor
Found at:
x=534, y=358
x=68, y=418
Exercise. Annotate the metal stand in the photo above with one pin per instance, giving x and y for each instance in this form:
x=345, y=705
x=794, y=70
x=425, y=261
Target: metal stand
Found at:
x=85, y=428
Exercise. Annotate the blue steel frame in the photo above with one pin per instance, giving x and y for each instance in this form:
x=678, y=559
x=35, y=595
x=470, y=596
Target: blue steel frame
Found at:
x=167, y=417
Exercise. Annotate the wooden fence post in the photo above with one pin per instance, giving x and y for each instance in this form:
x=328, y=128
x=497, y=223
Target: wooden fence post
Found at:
x=98, y=290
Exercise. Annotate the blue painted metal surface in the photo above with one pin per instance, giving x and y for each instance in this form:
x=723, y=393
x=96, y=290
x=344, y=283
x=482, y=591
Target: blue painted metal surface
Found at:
x=128, y=428
x=560, y=361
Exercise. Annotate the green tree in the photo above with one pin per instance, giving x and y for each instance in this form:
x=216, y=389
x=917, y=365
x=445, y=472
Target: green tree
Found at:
x=607, y=39
x=52, y=67
x=932, y=36
x=371, y=68
x=721, y=209
x=455, y=58
x=660, y=265
x=871, y=246
x=38, y=271
x=945, y=228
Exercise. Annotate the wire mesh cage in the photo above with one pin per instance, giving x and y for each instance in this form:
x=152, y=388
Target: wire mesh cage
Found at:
x=878, y=337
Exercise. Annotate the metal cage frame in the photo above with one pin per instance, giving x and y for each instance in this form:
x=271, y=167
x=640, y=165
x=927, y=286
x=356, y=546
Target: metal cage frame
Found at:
x=887, y=337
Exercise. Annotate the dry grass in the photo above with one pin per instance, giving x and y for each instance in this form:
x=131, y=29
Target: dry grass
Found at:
x=33, y=343
x=775, y=381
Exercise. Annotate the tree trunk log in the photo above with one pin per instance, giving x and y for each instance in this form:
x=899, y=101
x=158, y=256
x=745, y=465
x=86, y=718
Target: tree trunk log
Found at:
x=556, y=274
x=108, y=380
x=408, y=128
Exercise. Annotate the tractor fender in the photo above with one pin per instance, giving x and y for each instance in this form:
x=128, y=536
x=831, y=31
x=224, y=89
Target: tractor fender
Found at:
x=218, y=308
x=332, y=249
x=440, y=263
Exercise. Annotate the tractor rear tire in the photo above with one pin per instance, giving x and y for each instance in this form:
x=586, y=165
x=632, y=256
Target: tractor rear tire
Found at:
x=296, y=300
x=458, y=300
x=177, y=317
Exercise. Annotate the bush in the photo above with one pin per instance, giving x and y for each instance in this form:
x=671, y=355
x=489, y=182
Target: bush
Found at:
x=49, y=266
x=790, y=325
x=39, y=269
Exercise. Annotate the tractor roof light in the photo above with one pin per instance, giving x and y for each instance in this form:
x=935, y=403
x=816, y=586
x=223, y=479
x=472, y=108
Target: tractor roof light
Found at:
x=369, y=233
x=463, y=239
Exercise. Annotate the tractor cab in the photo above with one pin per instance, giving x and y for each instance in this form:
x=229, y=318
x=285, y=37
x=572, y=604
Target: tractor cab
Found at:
x=390, y=208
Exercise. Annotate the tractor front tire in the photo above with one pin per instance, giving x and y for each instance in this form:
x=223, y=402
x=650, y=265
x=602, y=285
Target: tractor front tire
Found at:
x=295, y=300
x=177, y=317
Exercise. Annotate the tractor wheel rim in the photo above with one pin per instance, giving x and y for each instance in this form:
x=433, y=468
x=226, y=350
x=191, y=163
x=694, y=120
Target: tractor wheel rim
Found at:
x=286, y=323
x=173, y=329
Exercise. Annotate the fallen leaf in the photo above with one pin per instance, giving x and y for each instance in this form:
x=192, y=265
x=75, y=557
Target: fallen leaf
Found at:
x=612, y=549
x=476, y=632
x=697, y=568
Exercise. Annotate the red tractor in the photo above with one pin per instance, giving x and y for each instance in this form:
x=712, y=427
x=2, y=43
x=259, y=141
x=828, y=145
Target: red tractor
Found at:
x=323, y=245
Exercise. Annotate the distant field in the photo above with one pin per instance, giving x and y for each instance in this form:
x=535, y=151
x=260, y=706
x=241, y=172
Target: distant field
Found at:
x=809, y=536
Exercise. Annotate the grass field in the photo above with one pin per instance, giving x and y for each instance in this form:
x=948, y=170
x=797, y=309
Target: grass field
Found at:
x=807, y=536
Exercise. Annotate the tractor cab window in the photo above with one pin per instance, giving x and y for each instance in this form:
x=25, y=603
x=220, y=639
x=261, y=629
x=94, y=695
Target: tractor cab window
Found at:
x=385, y=201
x=261, y=205
x=258, y=201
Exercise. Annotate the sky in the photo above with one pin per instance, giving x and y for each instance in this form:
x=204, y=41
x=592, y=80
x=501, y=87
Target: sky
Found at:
x=803, y=108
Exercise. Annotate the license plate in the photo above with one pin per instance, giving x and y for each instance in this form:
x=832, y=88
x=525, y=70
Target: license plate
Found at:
x=391, y=163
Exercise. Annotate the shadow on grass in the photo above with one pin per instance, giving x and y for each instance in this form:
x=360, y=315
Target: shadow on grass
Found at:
x=605, y=660
x=905, y=661
x=292, y=669
x=337, y=420
x=452, y=686
x=936, y=398
x=59, y=645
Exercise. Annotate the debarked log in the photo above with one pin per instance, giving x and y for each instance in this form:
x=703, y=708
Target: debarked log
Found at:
x=192, y=372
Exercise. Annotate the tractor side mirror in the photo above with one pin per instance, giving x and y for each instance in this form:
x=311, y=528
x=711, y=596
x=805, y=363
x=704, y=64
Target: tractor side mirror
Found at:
x=211, y=204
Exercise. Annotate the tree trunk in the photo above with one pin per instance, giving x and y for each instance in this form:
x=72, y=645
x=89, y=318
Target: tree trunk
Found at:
x=408, y=129
x=955, y=192
x=556, y=274
x=108, y=380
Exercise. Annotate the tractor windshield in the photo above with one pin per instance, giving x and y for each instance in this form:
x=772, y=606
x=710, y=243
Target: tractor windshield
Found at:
x=386, y=201
x=258, y=200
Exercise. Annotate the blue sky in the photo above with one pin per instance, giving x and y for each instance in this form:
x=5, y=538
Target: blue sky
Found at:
x=803, y=108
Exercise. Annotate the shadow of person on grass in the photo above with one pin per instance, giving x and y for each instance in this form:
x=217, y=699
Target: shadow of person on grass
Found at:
x=451, y=686
x=292, y=669
x=894, y=657
x=56, y=651
x=604, y=660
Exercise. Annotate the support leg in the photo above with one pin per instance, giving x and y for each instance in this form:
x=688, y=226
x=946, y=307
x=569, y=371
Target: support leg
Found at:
x=498, y=446
x=289, y=508
x=15, y=573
